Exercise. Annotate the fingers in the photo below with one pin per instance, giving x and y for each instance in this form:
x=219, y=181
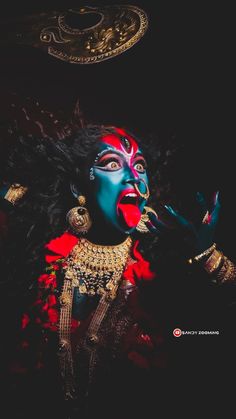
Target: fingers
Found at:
x=212, y=218
x=216, y=210
x=216, y=197
x=157, y=224
x=153, y=229
x=154, y=225
x=202, y=201
x=178, y=218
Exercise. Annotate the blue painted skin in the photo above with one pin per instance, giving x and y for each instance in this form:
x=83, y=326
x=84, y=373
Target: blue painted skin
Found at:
x=110, y=177
x=202, y=237
x=114, y=172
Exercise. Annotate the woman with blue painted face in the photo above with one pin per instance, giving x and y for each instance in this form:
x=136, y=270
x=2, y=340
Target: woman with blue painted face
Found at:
x=79, y=205
x=81, y=210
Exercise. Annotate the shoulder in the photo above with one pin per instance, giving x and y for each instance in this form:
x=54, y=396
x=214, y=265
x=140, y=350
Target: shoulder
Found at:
x=60, y=247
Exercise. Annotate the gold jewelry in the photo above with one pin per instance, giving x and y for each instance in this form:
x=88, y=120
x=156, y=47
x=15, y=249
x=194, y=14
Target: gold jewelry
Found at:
x=213, y=262
x=88, y=259
x=92, y=267
x=143, y=195
x=219, y=266
x=117, y=28
x=65, y=351
x=227, y=272
x=141, y=226
x=79, y=218
x=15, y=192
x=207, y=252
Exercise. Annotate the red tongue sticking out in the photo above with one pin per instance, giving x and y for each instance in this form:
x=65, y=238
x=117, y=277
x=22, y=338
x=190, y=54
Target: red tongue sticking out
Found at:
x=131, y=214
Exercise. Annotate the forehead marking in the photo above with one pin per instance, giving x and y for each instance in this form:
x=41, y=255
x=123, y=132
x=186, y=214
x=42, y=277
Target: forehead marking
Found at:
x=116, y=142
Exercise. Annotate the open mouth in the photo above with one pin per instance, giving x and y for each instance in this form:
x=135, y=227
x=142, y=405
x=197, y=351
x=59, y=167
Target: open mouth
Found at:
x=127, y=207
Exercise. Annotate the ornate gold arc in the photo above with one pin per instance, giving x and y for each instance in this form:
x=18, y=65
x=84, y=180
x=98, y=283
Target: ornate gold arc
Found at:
x=118, y=28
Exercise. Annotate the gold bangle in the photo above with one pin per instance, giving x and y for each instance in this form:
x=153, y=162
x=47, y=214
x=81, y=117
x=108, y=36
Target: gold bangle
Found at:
x=15, y=192
x=207, y=252
x=214, y=261
x=227, y=272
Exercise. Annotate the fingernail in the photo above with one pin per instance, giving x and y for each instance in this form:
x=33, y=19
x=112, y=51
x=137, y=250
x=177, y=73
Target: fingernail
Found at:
x=216, y=196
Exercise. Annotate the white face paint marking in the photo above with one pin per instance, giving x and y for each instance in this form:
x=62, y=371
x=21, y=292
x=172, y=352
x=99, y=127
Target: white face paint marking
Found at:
x=126, y=152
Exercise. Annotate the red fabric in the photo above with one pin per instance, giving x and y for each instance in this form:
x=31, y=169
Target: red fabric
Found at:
x=24, y=321
x=138, y=270
x=62, y=245
x=47, y=281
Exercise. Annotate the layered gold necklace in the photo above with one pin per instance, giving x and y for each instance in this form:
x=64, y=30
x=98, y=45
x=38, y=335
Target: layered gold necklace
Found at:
x=94, y=269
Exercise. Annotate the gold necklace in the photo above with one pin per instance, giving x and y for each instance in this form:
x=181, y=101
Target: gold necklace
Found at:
x=97, y=269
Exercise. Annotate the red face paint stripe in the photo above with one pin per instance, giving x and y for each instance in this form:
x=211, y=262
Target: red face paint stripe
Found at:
x=114, y=141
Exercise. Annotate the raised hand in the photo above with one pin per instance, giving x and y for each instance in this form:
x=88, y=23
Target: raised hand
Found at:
x=201, y=236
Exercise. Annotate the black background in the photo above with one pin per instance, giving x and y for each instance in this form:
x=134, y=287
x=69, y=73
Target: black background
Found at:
x=179, y=79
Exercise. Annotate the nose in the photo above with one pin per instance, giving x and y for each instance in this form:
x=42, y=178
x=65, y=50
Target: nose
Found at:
x=131, y=176
x=133, y=180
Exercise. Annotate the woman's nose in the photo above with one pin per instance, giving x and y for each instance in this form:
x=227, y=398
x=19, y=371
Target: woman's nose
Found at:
x=132, y=180
x=131, y=176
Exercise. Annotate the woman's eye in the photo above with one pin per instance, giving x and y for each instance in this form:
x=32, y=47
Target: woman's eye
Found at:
x=112, y=165
x=140, y=167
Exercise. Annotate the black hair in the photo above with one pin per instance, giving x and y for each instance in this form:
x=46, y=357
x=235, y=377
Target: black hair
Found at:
x=47, y=166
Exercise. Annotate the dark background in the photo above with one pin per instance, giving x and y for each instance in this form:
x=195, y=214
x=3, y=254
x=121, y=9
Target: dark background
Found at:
x=178, y=77
x=178, y=80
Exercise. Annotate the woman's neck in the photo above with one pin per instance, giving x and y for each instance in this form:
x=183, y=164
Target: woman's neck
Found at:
x=106, y=237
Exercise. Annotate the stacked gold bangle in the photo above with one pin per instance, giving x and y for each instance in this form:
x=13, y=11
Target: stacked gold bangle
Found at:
x=217, y=265
x=214, y=262
x=202, y=255
x=227, y=272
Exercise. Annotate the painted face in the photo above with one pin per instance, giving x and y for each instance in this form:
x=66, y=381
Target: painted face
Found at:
x=118, y=176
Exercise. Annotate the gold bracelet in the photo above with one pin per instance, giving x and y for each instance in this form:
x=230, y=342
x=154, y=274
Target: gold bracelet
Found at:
x=227, y=272
x=214, y=262
x=207, y=252
x=15, y=192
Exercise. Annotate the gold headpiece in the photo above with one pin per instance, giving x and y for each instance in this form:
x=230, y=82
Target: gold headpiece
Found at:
x=85, y=36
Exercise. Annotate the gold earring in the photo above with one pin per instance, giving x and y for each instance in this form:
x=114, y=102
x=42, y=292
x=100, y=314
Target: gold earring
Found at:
x=141, y=226
x=79, y=218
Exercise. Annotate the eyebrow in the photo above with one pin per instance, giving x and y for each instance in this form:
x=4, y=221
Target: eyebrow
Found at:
x=117, y=152
x=139, y=154
x=108, y=151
